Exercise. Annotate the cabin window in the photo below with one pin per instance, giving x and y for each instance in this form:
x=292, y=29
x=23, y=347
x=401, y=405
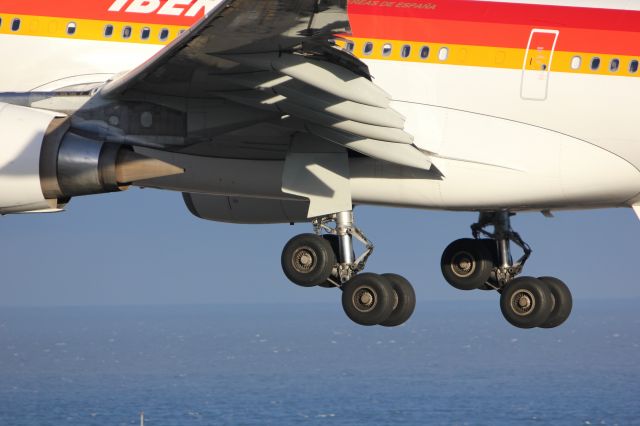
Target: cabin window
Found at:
x=614, y=65
x=145, y=33
x=576, y=62
x=164, y=34
x=443, y=53
x=15, y=24
x=595, y=63
x=126, y=32
x=406, y=51
x=368, y=48
x=181, y=31
x=633, y=66
x=0, y=21
x=386, y=49
x=349, y=46
x=71, y=28
x=108, y=30
x=424, y=52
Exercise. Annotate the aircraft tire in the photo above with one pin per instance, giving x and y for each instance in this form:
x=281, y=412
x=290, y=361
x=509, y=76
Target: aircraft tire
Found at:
x=368, y=299
x=308, y=260
x=405, y=298
x=526, y=302
x=563, y=302
x=466, y=264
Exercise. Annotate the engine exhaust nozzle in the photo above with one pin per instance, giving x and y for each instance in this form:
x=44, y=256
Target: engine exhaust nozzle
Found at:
x=75, y=165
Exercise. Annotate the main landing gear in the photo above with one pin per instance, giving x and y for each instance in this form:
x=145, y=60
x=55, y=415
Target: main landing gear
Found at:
x=326, y=258
x=486, y=264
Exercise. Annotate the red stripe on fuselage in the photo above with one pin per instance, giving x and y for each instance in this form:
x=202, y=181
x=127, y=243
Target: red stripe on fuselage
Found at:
x=95, y=9
x=497, y=24
x=503, y=13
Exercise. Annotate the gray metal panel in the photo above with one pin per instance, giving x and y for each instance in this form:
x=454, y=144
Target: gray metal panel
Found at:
x=246, y=210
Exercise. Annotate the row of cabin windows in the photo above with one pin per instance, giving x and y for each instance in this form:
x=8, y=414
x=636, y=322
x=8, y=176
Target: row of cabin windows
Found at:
x=405, y=51
x=145, y=33
x=443, y=55
x=596, y=62
x=127, y=31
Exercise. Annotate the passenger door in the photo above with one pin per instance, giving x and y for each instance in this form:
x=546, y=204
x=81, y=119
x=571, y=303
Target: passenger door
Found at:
x=537, y=64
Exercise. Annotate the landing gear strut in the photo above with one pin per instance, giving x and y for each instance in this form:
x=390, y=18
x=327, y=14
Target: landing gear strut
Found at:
x=485, y=262
x=327, y=258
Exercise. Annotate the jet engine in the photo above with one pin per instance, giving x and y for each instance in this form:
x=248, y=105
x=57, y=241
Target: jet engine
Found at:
x=43, y=163
x=222, y=208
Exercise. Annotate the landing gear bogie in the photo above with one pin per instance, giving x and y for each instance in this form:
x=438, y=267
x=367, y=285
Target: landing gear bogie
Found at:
x=327, y=259
x=486, y=263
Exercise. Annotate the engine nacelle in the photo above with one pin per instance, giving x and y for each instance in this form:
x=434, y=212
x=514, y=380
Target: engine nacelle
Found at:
x=246, y=210
x=43, y=163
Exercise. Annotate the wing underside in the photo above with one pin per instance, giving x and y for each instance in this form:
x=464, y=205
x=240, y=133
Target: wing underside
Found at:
x=251, y=77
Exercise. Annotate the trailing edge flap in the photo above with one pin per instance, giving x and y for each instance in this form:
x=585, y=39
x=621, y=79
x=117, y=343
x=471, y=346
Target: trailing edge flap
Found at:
x=316, y=170
x=399, y=153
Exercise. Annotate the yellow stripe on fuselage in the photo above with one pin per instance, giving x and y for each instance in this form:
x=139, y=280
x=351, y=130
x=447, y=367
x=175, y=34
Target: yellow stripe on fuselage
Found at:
x=491, y=57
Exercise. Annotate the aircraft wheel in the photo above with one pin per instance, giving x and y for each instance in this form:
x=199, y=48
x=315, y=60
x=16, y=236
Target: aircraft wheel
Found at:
x=526, y=302
x=308, y=260
x=368, y=299
x=466, y=264
x=405, y=300
x=563, y=302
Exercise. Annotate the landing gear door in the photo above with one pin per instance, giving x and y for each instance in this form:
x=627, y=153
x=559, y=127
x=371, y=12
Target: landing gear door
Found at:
x=537, y=64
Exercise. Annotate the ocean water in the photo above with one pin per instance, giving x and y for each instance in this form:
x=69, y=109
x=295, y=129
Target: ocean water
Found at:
x=454, y=363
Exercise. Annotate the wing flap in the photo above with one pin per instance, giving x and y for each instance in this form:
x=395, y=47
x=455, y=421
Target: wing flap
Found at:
x=403, y=154
x=325, y=76
x=314, y=99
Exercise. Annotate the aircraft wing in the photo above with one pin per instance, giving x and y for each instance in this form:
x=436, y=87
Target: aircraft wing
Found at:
x=252, y=76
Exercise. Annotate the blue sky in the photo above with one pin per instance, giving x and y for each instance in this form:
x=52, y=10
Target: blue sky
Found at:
x=144, y=247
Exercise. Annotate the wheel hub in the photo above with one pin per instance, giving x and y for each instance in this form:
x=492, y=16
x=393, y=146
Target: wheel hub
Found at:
x=463, y=264
x=364, y=299
x=304, y=260
x=523, y=302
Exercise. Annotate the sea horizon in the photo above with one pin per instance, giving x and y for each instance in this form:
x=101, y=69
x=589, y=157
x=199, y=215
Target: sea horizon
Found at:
x=455, y=362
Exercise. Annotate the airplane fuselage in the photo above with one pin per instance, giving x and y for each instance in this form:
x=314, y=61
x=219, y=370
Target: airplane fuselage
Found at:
x=522, y=106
